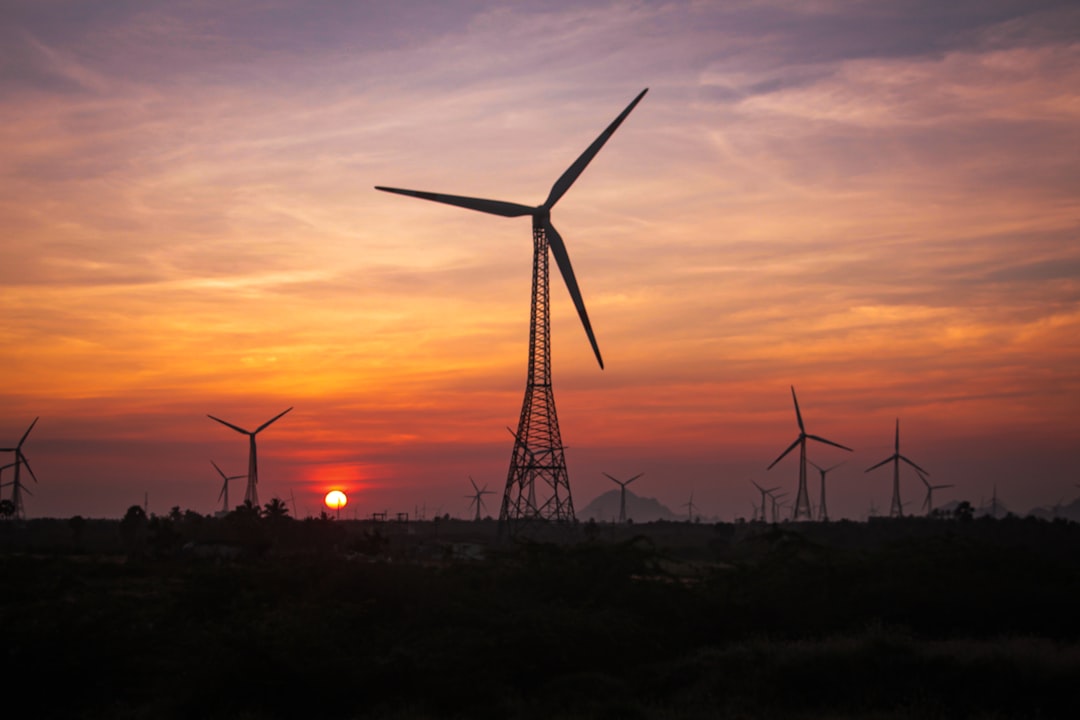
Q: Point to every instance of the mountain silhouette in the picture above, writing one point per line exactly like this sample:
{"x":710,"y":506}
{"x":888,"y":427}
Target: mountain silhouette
{"x":605,"y":508}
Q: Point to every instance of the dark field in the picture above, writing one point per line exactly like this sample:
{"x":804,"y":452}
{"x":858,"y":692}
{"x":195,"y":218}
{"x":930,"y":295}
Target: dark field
{"x":891,"y":619}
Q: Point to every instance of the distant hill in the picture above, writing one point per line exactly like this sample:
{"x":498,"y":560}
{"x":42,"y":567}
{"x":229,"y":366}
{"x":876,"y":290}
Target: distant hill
{"x":605,"y":508}
{"x":1069,"y":512}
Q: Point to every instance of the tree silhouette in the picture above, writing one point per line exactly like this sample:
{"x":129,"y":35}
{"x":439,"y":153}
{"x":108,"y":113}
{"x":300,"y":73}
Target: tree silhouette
{"x":276,"y":509}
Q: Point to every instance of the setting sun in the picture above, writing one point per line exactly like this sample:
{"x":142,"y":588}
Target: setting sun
{"x":335,"y":500}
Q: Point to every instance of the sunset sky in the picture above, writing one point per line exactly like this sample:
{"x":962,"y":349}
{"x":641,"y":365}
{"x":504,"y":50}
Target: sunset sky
{"x":875,"y":202}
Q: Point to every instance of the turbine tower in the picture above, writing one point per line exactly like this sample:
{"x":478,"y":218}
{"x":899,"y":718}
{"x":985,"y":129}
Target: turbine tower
{"x":478,"y":497}
{"x":928,"y":503}
{"x":622,"y":494}
{"x":225,"y":486}
{"x":823,"y":513}
{"x":896,"y":508}
{"x":537,"y":457}
{"x":764,"y":493}
{"x":802,"y":498}
{"x":251,"y":494}
{"x":16,"y":484}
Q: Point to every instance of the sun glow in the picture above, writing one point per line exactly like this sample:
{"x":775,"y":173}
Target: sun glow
{"x":335,"y":500}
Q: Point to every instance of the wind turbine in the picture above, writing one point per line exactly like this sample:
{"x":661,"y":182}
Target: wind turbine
{"x":538,"y":450}
{"x":622,"y":494}
{"x":16,"y":484}
{"x":823,"y":513}
{"x":690,"y":508}
{"x":251,"y":494}
{"x":802,"y":498}
{"x":764,"y":492}
{"x":225,"y":486}
{"x":478,"y":497}
{"x":928,"y":503}
{"x":776,"y":505}
{"x":896,"y":508}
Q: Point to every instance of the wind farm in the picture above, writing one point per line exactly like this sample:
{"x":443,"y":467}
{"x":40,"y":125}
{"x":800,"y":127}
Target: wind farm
{"x":871,"y":204}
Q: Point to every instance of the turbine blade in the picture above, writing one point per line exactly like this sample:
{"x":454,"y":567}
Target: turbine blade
{"x":634,"y":478}
{"x":28,"y":431}
{"x":29,"y":469}
{"x":829,"y":442}
{"x":814,"y":463}
{"x":830,"y":469}
{"x":222,"y":474}
{"x":875,"y":467}
{"x":228,"y":424}
{"x":270,"y":421}
{"x":223,"y":486}
{"x":924,"y":481}
{"x":942,"y":487}
{"x":609,"y":477}
{"x":567,"y":178}
{"x":757,"y":486}
{"x":562,"y":259}
{"x":798,"y":415}
{"x":897,"y":435}
{"x":912,"y":464}
{"x":473,"y":482}
{"x":491,"y":207}
{"x":790,"y":448}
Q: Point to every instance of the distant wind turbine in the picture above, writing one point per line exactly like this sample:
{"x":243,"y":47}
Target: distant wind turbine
{"x":764,"y":493}
{"x":802,"y":499}
{"x":896,"y":508}
{"x":823,"y":513}
{"x":928,"y":503}
{"x":690,"y":508}
{"x":225,"y":487}
{"x":622,"y":493}
{"x":17,"y":488}
{"x":251,"y":494}
{"x":478,"y":497}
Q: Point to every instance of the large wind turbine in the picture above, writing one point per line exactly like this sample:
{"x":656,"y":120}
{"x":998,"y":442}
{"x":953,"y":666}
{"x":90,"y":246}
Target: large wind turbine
{"x":823,"y":513}
{"x":16,"y":484}
{"x":896,"y":509}
{"x":225,"y":486}
{"x":251,"y":494}
{"x":538,"y":451}
{"x":622,"y":493}
{"x":802,"y":498}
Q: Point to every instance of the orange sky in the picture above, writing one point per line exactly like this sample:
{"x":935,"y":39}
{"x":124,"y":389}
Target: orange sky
{"x":875,"y":203}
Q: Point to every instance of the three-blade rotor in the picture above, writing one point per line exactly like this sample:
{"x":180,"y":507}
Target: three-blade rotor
{"x":803,"y":435}
{"x":541,"y":214}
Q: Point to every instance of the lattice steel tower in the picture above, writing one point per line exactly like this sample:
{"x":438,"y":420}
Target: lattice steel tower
{"x":537,"y":459}
{"x":537,"y":486}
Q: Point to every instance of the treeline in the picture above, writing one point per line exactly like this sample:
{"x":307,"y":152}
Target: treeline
{"x":950,"y":620}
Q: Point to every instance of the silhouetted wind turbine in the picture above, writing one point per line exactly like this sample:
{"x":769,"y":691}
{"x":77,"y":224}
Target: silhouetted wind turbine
{"x":17,"y":488}
{"x":764,"y":492}
{"x":690,"y":508}
{"x":538,"y":450}
{"x":225,"y":487}
{"x":251,"y":494}
{"x":478,"y":497}
{"x":896,"y":508}
{"x":802,"y":498}
{"x":776,"y":505}
{"x":622,"y":493}
{"x":928,"y":503}
{"x":823,"y":513}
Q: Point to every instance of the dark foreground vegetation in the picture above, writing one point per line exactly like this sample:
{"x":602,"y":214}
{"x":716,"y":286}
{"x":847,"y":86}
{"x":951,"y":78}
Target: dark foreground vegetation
{"x":283,"y":618}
